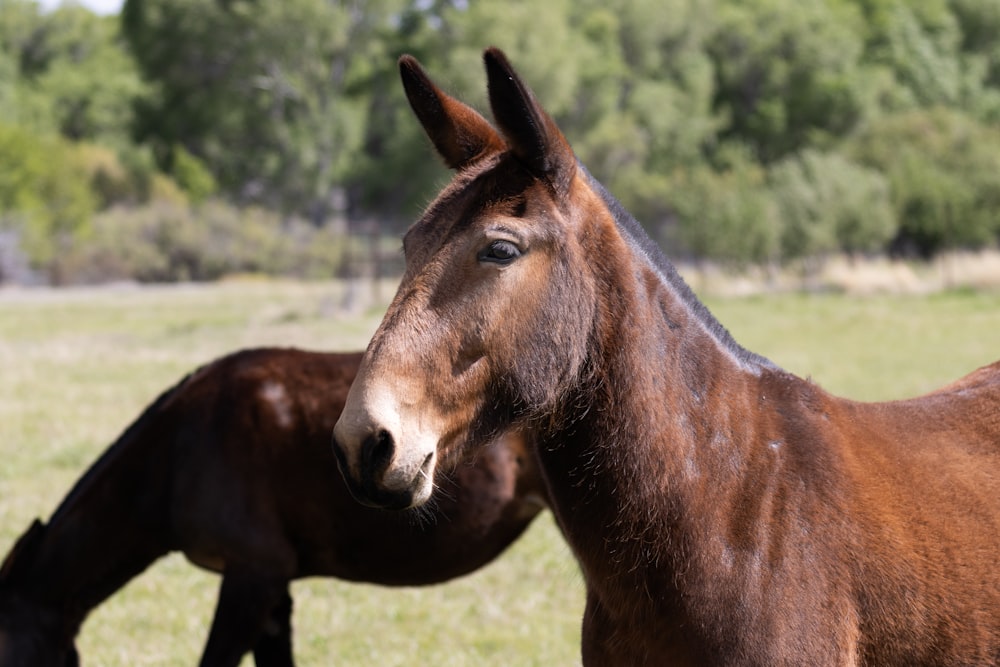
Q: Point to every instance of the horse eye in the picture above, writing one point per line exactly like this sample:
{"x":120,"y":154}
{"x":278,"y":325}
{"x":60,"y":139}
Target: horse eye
{"x":499,"y":252}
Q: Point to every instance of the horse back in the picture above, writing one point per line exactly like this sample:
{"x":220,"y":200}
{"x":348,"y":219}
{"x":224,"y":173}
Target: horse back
{"x":252,"y":460}
{"x":923,"y":490}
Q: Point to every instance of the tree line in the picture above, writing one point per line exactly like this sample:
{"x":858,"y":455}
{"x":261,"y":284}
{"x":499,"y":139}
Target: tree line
{"x":190,"y":138}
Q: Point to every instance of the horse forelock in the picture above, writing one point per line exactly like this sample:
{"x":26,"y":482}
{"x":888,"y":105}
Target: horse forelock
{"x":493,"y":180}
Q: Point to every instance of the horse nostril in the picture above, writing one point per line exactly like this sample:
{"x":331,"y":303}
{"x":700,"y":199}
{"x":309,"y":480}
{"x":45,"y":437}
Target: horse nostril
{"x":425,"y":468}
{"x":377,"y":451}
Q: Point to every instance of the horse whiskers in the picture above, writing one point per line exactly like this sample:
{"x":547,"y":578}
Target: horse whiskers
{"x":440,"y":490}
{"x":430,"y":513}
{"x":425,"y":515}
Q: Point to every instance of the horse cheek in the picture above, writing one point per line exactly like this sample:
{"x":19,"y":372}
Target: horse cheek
{"x":550,"y":361}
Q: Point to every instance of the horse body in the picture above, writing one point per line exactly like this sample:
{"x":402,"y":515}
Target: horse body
{"x":232,"y":467}
{"x":723,"y":510}
{"x":792,"y":528}
{"x":765,"y":518}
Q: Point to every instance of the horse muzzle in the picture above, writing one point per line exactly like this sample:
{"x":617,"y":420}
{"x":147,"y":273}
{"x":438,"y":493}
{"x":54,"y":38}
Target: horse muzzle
{"x":377,"y":476}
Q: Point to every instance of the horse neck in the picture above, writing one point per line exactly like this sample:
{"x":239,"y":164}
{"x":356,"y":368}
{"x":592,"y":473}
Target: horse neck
{"x":110,"y":526}
{"x":661,"y":417}
{"x":79,"y":567}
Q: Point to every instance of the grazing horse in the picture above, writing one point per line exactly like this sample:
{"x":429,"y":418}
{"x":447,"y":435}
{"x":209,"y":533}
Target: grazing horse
{"x":232,"y":466}
{"x":723,"y":510}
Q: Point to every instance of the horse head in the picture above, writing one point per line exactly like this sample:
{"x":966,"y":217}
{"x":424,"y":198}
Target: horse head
{"x":491,"y":324}
{"x":31,"y":635}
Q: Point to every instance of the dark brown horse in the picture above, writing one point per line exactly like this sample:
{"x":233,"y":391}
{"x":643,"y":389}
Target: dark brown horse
{"x":724,"y":511}
{"x":233,"y":467}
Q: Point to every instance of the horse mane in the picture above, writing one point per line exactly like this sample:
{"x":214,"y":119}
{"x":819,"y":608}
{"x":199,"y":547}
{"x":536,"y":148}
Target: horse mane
{"x":22,"y":553}
{"x":640,"y":240}
{"x":110,"y":455}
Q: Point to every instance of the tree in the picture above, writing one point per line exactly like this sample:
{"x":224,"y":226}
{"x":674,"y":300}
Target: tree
{"x":726,"y":214}
{"x":393,"y":173}
{"x":944,"y":171}
{"x":265,"y":94}
{"x":45,"y":197}
{"x":90,"y":80}
{"x":738,"y":129}
{"x":644,"y":100}
{"x":787,"y":73}
{"x":829,"y":204}
{"x":66,"y":71}
{"x":979,"y":26}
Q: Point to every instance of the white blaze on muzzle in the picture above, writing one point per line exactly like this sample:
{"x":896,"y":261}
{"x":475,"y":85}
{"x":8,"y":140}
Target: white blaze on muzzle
{"x":388,"y":437}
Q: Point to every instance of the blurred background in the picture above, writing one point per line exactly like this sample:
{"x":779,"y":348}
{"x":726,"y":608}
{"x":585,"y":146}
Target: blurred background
{"x":800,"y":150}
{"x":176,"y":140}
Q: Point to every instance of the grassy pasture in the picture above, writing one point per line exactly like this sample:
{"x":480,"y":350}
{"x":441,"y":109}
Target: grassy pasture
{"x":77,"y":366}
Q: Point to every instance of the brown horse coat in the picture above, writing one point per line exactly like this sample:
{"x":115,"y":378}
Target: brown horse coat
{"x":724,"y":511}
{"x":233,"y":467}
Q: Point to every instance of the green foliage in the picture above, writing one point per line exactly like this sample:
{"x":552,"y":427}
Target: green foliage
{"x":745,"y":130}
{"x":944,"y":171}
{"x":74,"y":75}
{"x":830,"y":204}
{"x":261,"y":92}
{"x":920,"y":46}
{"x":166,"y":241}
{"x":979,"y":25}
{"x":192,"y":175}
{"x":45,"y":196}
{"x":787,"y":72}
{"x":726,"y":214}
{"x":652,"y":111}
{"x":121,"y":178}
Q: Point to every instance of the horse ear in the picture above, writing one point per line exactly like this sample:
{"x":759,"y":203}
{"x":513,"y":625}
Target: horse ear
{"x":533,"y":136}
{"x":22,"y":553}
{"x":457,"y":130}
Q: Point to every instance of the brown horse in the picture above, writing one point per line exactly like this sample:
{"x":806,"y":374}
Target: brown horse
{"x":232,"y":467}
{"x":724,"y":511}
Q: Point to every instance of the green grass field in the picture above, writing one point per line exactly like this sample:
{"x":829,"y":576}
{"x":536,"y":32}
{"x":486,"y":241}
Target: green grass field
{"x":77,"y":366}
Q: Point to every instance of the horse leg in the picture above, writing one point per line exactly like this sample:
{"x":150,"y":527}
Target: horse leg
{"x":247,"y":603}
{"x":274,"y":648}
